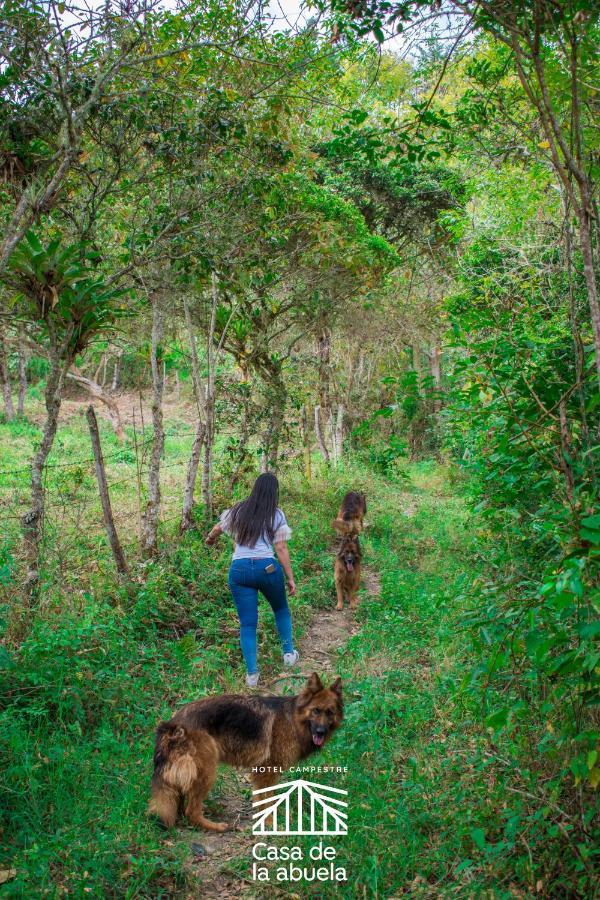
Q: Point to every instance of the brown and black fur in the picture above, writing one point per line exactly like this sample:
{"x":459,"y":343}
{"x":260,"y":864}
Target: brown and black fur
{"x":351,"y":517}
{"x":266,"y":731}
{"x":346,"y":571}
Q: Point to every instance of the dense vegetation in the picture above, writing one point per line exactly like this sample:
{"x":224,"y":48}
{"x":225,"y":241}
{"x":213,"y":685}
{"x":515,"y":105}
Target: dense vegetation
{"x":361,"y":263}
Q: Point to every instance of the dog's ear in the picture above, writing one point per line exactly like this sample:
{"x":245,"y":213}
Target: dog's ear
{"x":336,"y":687}
{"x":312,"y":687}
{"x":314,"y":684}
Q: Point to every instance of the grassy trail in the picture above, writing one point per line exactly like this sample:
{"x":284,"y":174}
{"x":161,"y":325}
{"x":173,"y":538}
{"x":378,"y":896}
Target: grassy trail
{"x":404,"y":741}
{"x":434,"y":808}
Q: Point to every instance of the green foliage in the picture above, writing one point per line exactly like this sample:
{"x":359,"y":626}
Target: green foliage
{"x":65,"y":290}
{"x":523,"y":431}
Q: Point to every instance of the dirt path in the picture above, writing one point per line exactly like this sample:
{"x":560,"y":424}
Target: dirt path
{"x":211,"y":856}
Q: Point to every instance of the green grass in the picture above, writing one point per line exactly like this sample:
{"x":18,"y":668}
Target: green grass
{"x":436,"y":807}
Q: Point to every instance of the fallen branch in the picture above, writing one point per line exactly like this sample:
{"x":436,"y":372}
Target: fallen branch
{"x":99,"y":393}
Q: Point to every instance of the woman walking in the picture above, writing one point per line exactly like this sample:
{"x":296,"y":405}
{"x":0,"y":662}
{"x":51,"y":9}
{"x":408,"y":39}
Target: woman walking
{"x":260,"y":530}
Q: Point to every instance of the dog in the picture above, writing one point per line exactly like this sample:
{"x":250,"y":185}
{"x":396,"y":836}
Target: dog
{"x":351,"y":517}
{"x":266,"y":731}
{"x":346,"y":570}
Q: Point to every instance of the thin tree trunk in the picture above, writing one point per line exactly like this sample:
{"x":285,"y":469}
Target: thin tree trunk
{"x":209,"y":406}
{"x":33,"y":519}
{"x":109,"y":522}
{"x":416,"y":362}
{"x":565,"y":449}
{"x":585,"y":240}
{"x":22,"y":377}
{"x":587,"y":457}
{"x":275,"y":427}
{"x":98,"y":371}
{"x":306,"y":444}
{"x":435,"y":365}
{"x":116,"y":372}
{"x":331,"y":437}
{"x":339,"y":432}
{"x":242,"y":444}
{"x":187,"y":519}
{"x":9,"y":410}
{"x":196,"y":380}
{"x":324,"y":355}
{"x":200,"y":437}
{"x":319,"y":434}
{"x":97,"y":391}
{"x":151,"y":513}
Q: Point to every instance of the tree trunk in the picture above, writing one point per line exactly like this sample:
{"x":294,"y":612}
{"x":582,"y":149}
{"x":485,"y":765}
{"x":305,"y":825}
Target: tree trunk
{"x":9,"y":410}
{"x":435,"y":365}
{"x":566,"y":453}
{"x":151,"y":513}
{"x":306,"y":443}
{"x":187,"y":519}
{"x":416,"y":362}
{"x":276,"y":399}
{"x":209,"y":406}
{"x":242,"y":444}
{"x":97,"y":374}
{"x":319,"y":434}
{"x":116,"y":372}
{"x":338,"y":438}
{"x":97,"y":391}
{"x":585,"y":240}
{"x":22,"y":377}
{"x":33,"y":519}
{"x":111,"y":531}
{"x":196,"y":380}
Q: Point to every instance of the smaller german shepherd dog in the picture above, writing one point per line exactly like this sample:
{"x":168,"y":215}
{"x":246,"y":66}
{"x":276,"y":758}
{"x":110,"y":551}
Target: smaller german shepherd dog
{"x":271,"y":732}
{"x":346,"y":571}
{"x":350,"y":519}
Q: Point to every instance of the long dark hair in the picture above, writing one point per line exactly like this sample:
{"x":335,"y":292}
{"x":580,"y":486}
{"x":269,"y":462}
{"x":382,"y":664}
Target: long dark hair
{"x":254,"y":517}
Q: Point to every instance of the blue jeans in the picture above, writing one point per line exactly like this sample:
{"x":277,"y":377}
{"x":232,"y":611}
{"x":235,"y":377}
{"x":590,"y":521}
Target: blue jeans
{"x":246,"y":578}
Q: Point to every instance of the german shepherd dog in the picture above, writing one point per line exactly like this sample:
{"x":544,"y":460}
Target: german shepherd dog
{"x":270,"y":732}
{"x":346,"y":571}
{"x":350,"y":519}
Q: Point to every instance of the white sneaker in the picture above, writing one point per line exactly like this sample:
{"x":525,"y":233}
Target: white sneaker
{"x":252,"y":680}
{"x":290,"y":659}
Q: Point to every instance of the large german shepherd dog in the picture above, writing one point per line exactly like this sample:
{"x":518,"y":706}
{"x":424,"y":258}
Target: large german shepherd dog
{"x":346,"y":571}
{"x":271,"y":732}
{"x":350,"y":518}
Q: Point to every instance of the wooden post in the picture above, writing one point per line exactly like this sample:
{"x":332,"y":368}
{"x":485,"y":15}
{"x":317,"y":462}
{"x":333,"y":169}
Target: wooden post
{"x":306,"y":443}
{"x":109,"y":523}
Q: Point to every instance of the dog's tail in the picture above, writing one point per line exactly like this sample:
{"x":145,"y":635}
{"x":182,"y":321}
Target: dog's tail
{"x":175,"y":770}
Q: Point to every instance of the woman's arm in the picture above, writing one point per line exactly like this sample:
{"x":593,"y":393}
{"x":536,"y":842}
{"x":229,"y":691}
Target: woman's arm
{"x":283,"y":555}
{"x":213,"y":535}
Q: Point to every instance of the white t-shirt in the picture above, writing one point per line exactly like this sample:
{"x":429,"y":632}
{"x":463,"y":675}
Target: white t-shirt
{"x":263,"y":549}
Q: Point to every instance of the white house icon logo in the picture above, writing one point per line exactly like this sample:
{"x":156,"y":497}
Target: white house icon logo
{"x":299,"y":807}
